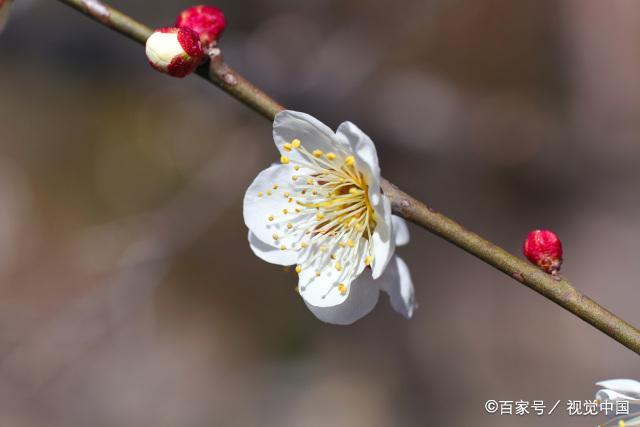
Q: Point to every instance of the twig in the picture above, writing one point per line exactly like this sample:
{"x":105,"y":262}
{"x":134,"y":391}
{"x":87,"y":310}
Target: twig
{"x":559,"y":291}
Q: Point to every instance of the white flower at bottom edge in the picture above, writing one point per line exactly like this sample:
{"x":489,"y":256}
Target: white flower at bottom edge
{"x":321,"y":209}
{"x":4,"y":13}
{"x":622,"y":390}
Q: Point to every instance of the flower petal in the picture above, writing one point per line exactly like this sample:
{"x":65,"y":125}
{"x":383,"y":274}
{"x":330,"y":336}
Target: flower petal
{"x":624,"y":386}
{"x":383,"y":241}
{"x":264,"y":208}
{"x":364,"y":150}
{"x":270,"y":253}
{"x":314,"y":135}
{"x":396,"y":281}
{"x":360,"y":301}
{"x":606,"y":394}
{"x":400,"y":230}
{"x":631,"y":422}
{"x":324,"y":290}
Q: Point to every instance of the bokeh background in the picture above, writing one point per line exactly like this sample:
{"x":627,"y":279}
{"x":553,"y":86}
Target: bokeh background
{"x":128,"y":293}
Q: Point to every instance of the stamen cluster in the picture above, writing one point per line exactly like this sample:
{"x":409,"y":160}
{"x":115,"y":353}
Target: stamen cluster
{"x":330,"y":211}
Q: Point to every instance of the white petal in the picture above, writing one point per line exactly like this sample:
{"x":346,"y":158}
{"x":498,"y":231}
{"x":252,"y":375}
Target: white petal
{"x":323,"y":291}
{"x":360,"y":301}
{"x":632,"y":422}
{"x":314,"y":135}
{"x":270,"y":253}
{"x":611,"y":395}
{"x":257,"y":209}
{"x":400,"y":230}
{"x":383,"y":241}
{"x":396,"y":281}
{"x":162,"y":48}
{"x":624,"y":386}
{"x":364,"y":150}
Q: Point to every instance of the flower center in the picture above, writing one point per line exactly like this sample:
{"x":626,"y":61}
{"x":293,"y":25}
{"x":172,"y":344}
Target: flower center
{"x":333,"y":219}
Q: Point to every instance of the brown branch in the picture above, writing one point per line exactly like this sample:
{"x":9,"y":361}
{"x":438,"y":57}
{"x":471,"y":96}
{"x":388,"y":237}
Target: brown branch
{"x":559,"y":291}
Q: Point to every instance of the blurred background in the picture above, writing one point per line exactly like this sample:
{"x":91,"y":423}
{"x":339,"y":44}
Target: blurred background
{"x":129,"y":295}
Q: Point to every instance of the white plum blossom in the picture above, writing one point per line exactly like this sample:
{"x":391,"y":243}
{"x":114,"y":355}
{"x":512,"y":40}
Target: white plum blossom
{"x":621,"y":390}
{"x":321,"y":210}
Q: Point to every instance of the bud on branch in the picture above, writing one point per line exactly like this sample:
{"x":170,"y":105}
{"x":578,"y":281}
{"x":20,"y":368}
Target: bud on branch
{"x":544,"y":249}
{"x":207,"y":21}
{"x":174,"y":51}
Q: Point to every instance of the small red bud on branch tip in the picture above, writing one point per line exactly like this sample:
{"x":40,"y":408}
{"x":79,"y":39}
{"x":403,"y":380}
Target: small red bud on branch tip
{"x":174,"y":51}
{"x":207,"y":21}
{"x":544,"y":249}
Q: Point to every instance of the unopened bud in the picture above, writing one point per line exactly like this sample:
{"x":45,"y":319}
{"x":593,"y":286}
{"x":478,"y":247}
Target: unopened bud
{"x":208,"y":21}
{"x":4,"y":13}
{"x":174,"y":51}
{"x":544,"y":248}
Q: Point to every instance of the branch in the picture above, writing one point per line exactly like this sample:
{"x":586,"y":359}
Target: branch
{"x":559,"y":291}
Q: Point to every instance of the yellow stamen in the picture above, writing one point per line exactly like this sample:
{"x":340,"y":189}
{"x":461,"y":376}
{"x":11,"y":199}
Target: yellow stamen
{"x":275,"y":236}
{"x":350,"y":243}
{"x":284,"y":211}
{"x":350,"y":161}
{"x":294,"y":178}
{"x":296,"y":168}
{"x":319,"y":216}
{"x":317,"y":274}
{"x":260,"y":194}
{"x":284,"y":160}
{"x":310,"y":181}
{"x":342,"y":289}
{"x":286,"y":194}
{"x":289,"y":226}
{"x":338,"y":266}
{"x":298,"y":269}
{"x":331,"y":156}
{"x":283,"y":248}
{"x":270,"y":218}
{"x":295,"y":143}
{"x":317,"y":153}
{"x":368,"y":260}
{"x":269,"y":193}
{"x":287,"y":147}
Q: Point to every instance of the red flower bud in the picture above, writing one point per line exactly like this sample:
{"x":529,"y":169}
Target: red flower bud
{"x":174,"y":51}
{"x":544,"y":249}
{"x":208,"y":21}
